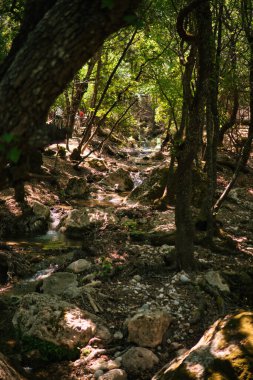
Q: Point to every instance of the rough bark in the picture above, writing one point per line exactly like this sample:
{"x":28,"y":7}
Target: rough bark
{"x":187,"y":151}
{"x":212,"y":118}
{"x":46,"y":58}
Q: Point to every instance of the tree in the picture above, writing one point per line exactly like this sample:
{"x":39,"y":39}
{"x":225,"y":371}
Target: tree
{"x":188,"y":148}
{"x":55,"y":39}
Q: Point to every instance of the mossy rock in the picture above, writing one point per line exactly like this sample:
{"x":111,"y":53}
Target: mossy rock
{"x":139,"y":236}
{"x":152,"y":188}
{"x":240,"y":283}
{"x":49,"y":351}
{"x":225,"y":352}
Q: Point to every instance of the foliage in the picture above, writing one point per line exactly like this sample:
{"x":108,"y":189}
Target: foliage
{"x":11,"y":15}
{"x":105,"y":267}
{"x":9,"y":148}
{"x":170,"y":72}
{"x":130,"y":224}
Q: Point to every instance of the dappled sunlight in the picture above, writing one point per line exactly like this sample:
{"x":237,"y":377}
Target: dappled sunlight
{"x":195,"y":368}
{"x":245,"y":328}
{"x":75,"y":321}
{"x":13,"y":207}
{"x":224,"y":351}
{"x":6,"y":289}
{"x":119,"y":256}
{"x":104,"y":199}
{"x":44,"y":273}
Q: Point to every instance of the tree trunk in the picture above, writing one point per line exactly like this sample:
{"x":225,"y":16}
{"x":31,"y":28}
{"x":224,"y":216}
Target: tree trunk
{"x":188,"y":149}
{"x":55,"y":47}
{"x":212,"y":118}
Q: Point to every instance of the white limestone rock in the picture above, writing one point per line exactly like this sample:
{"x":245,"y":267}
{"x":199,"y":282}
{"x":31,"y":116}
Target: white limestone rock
{"x":147,"y":327}
{"x":53,"y":320}
{"x":215,"y":280}
{"x":79,"y":266}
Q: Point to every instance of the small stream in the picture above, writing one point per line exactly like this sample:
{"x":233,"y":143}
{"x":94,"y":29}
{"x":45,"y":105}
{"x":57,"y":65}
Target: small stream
{"x":54,"y":242}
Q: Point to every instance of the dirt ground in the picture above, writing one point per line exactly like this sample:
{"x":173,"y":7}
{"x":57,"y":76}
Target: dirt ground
{"x":132,"y":274}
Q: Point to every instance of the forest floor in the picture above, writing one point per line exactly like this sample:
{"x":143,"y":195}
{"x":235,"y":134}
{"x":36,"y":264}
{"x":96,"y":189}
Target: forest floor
{"x":133,"y":274}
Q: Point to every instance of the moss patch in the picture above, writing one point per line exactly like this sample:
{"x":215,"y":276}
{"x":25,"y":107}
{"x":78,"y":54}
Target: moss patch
{"x":48,"y":350}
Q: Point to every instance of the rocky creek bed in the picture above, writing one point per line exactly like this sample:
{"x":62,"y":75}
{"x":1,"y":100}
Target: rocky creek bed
{"x":98,"y":297}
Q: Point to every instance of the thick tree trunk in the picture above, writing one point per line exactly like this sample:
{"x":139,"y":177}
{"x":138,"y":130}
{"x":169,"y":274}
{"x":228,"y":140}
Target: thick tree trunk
{"x":212,"y":119}
{"x":183,"y":217}
{"x":188,"y":150}
{"x":41,"y":65}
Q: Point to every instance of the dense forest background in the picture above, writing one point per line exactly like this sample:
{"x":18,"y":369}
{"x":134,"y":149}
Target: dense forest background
{"x":179,"y":71}
{"x":107,"y":80}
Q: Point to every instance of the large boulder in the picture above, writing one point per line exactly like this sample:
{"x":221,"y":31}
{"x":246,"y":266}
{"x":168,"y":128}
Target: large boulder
{"x":224,"y":352}
{"x":84,"y":220}
{"x":138,"y":360}
{"x":120,"y":180}
{"x":40,"y":210}
{"x":215,"y":279}
{"x":98,"y":164}
{"x":61,"y":284}
{"x":7,"y":372}
{"x":147,"y":328}
{"x":77,"y":188}
{"x":152,"y":188}
{"x":37,"y":220}
{"x":51,"y":325}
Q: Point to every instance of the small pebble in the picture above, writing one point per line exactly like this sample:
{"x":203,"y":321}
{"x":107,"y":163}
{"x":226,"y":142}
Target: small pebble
{"x":118,"y":335}
{"x":184,"y":279}
{"x":137,"y":277}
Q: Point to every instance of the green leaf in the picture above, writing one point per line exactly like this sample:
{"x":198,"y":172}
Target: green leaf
{"x":14,"y":154}
{"x":107,"y":4}
{"x":7,"y":137}
{"x":132,"y":19}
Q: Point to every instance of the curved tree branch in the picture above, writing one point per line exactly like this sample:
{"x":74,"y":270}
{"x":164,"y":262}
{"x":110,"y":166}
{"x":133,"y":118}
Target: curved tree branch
{"x":183,"y":13}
